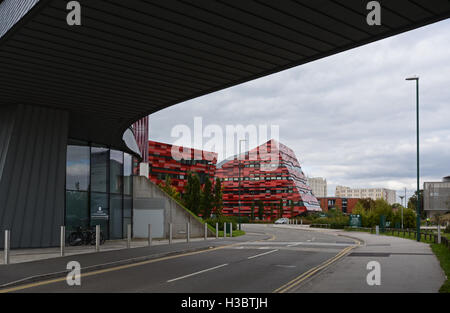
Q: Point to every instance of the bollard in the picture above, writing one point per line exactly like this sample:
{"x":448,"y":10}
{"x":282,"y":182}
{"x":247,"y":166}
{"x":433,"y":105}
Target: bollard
{"x":149,"y":234}
{"x":217,"y":230}
{"x":7,"y":246}
{"x":224,"y":230}
{"x":206,"y":231}
{"x":170,"y":233}
{"x":97,"y":238}
{"x":188,"y":233}
{"x":301,"y":221}
{"x":439,"y":234}
{"x":128,"y":236}
{"x":62,"y":240}
{"x":377,"y":230}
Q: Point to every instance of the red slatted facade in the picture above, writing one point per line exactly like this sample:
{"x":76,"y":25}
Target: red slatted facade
{"x":283,"y":180}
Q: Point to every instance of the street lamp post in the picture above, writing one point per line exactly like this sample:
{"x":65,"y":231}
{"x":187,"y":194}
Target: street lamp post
{"x":417,"y":135}
{"x":239,"y":185}
{"x":401,"y":200}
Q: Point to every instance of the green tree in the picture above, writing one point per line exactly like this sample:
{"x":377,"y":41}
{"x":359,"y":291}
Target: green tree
{"x":192,"y":194}
{"x":218,"y":198}
{"x":206,"y":199}
{"x":412,"y":203}
{"x":260,"y":210}
{"x":252,"y":211}
{"x":280,"y":209}
{"x":169,"y":189}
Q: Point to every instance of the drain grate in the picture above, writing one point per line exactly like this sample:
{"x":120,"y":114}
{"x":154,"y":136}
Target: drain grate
{"x":370,"y":254}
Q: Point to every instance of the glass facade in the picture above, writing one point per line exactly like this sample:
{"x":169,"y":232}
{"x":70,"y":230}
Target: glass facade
{"x":98,"y":189}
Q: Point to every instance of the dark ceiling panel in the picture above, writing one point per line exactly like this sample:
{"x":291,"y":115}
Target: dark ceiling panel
{"x":132,"y":58}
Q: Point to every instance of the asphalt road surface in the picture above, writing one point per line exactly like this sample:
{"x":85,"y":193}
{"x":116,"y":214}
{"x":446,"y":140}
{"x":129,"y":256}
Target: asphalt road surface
{"x":272,"y":259}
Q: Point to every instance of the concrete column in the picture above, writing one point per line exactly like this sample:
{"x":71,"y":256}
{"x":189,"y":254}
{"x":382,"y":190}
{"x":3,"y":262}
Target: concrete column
{"x":170,"y":233}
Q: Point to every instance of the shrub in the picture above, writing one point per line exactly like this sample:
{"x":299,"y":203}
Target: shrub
{"x":221,"y":220}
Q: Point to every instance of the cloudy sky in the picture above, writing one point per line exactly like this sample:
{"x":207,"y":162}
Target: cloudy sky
{"x":350,"y":117}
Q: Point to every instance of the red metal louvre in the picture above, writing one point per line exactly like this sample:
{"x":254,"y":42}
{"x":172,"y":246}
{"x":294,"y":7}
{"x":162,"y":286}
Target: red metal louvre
{"x":162,"y":163}
{"x":269,"y":173}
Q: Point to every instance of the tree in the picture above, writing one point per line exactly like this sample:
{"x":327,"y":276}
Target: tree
{"x":412,"y":203}
{"x":192,"y":194}
{"x":218,"y":197}
{"x":280,"y":209}
{"x":169,"y":189}
{"x":260,"y":210}
{"x":206,"y":199}
{"x":252,"y":211}
{"x":292,"y":210}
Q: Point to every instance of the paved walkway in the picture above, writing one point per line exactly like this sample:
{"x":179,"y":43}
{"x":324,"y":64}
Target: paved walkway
{"x":406,"y":266}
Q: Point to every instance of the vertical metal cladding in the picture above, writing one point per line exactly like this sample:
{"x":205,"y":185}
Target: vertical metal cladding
{"x":140,"y":129}
{"x":268,"y":179}
{"x":11,"y":11}
{"x":32,"y":174}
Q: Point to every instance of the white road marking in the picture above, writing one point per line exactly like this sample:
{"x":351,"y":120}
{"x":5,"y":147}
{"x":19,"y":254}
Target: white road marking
{"x":196,"y":273}
{"x":261,"y":254}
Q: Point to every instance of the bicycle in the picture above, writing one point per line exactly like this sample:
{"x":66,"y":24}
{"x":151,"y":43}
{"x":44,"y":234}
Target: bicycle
{"x":88,"y":236}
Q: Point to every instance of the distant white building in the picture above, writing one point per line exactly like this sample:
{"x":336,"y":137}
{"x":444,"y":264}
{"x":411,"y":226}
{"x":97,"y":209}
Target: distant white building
{"x":318,"y":186}
{"x":373,"y":193}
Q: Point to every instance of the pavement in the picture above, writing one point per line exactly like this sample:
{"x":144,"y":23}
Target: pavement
{"x":406,"y":266}
{"x":269,"y":258}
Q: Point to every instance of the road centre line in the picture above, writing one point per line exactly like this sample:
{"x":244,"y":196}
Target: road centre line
{"x":196,"y":273}
{"x":261,"y":254}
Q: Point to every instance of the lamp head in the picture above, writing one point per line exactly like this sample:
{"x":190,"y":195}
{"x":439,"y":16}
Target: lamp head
{"x":412,"y":78}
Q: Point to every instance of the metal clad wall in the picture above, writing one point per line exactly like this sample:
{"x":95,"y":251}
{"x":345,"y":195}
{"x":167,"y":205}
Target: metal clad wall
{"x":11,"y":11}
{"x":33,"y":176}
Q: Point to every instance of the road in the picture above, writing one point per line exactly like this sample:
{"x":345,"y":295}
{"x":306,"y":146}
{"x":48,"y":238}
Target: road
{"x":272,"y":259}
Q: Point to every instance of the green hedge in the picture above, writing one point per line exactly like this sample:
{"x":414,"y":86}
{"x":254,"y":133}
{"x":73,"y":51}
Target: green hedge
{"x":221,"y":220}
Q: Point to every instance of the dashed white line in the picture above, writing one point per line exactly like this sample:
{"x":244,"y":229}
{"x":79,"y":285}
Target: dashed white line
{"x":261,"y":254}
{"x":196,"y":273}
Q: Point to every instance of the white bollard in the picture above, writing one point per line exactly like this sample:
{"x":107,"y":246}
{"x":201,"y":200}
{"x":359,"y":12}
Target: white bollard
{"x":217,"y":230}
{"x":7,"y":246}
{"x":377,"y":229}
{"x":149,"y":234}
{"x":97,"y":238}
{"x":62,"y":240}
{"x":188,"y":233}
{"x":170,"y":233}
{"x":301,"y":221}
{"x":128,"y":236}
{"x":224,"y":230}
{"x":206,"y":231}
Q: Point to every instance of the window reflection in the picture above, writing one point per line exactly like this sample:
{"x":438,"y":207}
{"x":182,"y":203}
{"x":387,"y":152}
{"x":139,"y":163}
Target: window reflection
{"x":77,"y":172}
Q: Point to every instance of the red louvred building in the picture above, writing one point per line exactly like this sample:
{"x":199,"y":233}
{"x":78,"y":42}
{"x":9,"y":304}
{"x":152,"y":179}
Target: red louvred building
{"x":163,"y":161}
{"x":270,"y":173}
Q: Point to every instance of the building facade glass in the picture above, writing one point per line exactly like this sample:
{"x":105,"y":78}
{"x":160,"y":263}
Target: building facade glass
{"x":98,"y":189}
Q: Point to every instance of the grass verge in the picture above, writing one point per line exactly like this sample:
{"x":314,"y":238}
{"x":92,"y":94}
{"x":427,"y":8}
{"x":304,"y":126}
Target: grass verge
{"x":236,"y":233}
{"x":443,"y":255}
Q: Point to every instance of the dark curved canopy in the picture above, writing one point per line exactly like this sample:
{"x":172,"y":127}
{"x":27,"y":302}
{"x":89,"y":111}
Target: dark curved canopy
{"x":131,"y":58}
